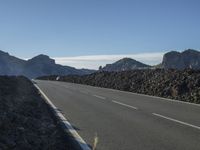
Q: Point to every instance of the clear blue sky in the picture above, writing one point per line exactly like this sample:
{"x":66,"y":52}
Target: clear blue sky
{"x":93,"y":27}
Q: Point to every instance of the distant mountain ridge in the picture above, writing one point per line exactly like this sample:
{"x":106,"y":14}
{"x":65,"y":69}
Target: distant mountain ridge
{"x":124,"y":65}
{"x":189,"y":58}
{"x":43,"y":65}
{"x":37,"y":66}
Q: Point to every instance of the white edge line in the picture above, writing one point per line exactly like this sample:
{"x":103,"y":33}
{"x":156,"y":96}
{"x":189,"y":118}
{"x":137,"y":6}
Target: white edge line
{"x":69,"y":127}
{"x":124,"y":104}
{"x":101,"y":97}
{"x":177,"y":121}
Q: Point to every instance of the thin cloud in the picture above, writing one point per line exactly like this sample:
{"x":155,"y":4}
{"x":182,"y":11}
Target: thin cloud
{"x":94,"y":61}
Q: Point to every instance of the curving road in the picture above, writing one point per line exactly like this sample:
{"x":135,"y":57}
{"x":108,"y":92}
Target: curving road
{"x":126,"y":121}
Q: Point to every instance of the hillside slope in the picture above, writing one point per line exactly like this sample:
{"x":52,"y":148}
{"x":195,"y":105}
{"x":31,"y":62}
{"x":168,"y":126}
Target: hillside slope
{"x":10,"y":65}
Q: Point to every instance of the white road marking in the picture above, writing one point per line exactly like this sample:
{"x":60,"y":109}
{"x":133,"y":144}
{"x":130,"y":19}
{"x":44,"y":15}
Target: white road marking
{"x":101,"y":97}
{"x":177,"y":121}
{"x":124,"y":104}
{"x":68,"y":126}
{"x":127,"y":92}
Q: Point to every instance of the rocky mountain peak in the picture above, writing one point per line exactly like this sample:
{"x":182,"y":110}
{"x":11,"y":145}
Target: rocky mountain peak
{"x":42,"y":59}
{"x":124,"y":64}
{"x":181,"y":60}
{"x":191,"y":52}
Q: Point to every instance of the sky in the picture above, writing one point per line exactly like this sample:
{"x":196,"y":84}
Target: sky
{"x":90,"y":33}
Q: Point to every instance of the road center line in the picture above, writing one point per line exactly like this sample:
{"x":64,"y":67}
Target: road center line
{"x":177,"y":121}
{"x":124,"y":104}
{"x":101,"y":97}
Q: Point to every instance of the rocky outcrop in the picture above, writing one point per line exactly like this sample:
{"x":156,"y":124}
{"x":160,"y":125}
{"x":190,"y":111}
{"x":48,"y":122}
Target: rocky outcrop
{"x":44,"y":65}
{"x":25,"y":120}
{"x":183,"y":85}
{"x":124,"y":65}
{"x":38,"y":66}
{"x":182,"y":60}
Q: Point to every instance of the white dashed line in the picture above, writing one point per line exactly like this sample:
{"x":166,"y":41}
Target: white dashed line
{"x":124,"y":105}
{"x":177,"y":121}
{"x":101,"y":97}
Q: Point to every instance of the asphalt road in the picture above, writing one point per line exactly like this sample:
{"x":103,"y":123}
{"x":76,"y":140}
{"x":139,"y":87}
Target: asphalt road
{"x":126,"y":121}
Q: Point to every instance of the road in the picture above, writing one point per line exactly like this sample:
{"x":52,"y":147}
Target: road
{"x":126,"y":121}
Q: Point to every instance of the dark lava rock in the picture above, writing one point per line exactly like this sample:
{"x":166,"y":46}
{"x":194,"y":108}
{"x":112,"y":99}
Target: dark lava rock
{"x":183,"y":85}
{"x":25,"y":120}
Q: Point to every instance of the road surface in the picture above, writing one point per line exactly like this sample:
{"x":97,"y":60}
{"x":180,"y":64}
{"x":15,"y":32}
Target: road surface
{"x":126,"y":121}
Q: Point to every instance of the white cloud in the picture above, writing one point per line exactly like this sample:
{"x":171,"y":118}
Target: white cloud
{"x":94,"y":61}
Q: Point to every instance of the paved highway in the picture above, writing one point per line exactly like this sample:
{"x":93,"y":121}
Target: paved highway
{"x":126,"y":121}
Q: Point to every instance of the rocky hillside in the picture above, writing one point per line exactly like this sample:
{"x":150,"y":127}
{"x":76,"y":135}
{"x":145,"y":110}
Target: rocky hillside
{"x":181,"y":60}
{"x":25,"y":121}
{"x":38,"y":66}
{"x":180,"y":85}
{"x":124,"y":65}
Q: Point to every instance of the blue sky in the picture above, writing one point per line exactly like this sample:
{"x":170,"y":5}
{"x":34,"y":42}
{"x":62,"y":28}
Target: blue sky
{"x":69,"y":28}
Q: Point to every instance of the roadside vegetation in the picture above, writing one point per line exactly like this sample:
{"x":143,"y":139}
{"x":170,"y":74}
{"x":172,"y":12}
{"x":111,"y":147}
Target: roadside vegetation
{"x":25,"y":120}
{"x":174,"y":84}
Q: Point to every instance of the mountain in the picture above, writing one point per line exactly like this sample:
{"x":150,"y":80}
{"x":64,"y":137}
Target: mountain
{"x":124,"y":64}
{"x":38,"y":66}
{"x":181,"y":60}
{"x":10,"y":65}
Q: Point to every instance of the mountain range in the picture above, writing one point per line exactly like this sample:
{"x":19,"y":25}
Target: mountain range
{"x":43,"y":65}
{"x":188,"y":59}
{"x":40,"y":65}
